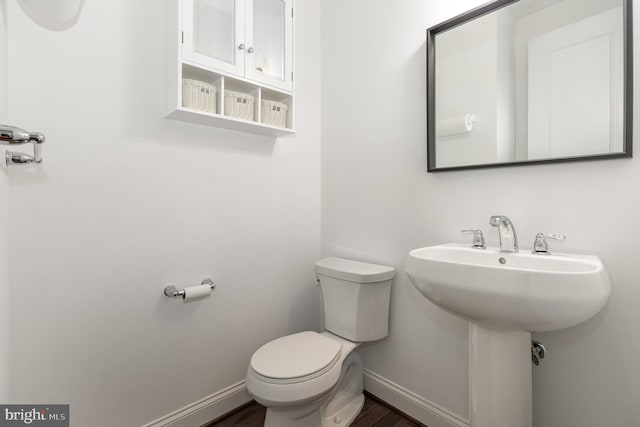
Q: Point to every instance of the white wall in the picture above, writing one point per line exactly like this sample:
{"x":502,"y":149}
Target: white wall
{"x":378,"y":202}
{"x":4,"y":222}
{"x":127,"y":202}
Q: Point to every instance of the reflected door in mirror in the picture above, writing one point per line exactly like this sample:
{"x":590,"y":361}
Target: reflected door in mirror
{"x":575,"y":89}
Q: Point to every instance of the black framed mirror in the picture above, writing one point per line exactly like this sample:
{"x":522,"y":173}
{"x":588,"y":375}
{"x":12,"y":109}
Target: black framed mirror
{"x":519,"y":82}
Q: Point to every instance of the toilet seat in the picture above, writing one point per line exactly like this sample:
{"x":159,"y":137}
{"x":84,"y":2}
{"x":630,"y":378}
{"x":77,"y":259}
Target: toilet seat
{"x":295,"y":358}
{"x":272,"y":392}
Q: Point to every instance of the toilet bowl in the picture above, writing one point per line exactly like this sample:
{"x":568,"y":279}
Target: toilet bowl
{"x":294,"y":394}
{"x":312,"y":379}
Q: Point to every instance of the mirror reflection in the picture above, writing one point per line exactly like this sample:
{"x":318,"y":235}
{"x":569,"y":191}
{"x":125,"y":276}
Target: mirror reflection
{"x":532,"y":81}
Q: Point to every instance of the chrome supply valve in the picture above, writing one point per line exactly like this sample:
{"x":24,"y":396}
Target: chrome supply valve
{"x":538,"y":352}
{"x":478,"y":238}
{"x":540,"y":245}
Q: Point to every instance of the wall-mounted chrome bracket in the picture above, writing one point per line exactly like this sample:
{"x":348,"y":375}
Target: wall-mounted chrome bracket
{"x":11,"y":135}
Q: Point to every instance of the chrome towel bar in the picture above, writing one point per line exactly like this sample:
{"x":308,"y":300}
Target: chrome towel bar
{"x":11,"y":135}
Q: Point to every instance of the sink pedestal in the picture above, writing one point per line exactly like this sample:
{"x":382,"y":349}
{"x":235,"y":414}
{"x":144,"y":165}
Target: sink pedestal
{"x":500,"y":389}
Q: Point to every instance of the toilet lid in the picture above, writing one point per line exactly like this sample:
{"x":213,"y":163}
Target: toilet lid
{"x":294,"y":356}
{"x":354,"y":271}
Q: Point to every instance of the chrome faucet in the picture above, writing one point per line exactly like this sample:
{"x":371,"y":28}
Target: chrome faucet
{"x":506,"y":232}
{"x":540,"y":245}
{"x":11,"y":135}
{"x":478,"y":238}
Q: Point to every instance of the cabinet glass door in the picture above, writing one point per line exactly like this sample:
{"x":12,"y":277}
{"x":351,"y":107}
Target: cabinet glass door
{"x":270,"y":60}
{"x":213,"y":29}
{"x":213,"y":34}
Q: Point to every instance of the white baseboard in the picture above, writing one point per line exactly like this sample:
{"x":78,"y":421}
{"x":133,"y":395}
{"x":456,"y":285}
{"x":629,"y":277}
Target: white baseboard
{"x":217,"y":404}
{"x":410,"y":403}
{"x":206,"y":409}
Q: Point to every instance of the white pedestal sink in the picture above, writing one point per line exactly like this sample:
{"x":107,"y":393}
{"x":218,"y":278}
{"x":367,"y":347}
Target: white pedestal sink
{"x":505,"y":297}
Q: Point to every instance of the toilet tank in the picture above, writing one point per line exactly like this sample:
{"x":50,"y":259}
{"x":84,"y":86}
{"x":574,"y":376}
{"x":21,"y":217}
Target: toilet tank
{"x":355,"y":296}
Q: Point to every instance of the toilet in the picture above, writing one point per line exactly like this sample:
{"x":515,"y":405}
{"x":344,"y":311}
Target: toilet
{"x":312,"y":379}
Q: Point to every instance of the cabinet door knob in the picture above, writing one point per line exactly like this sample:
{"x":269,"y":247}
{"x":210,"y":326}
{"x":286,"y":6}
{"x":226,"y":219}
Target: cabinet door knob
{"x":241,"y":46}
{"x":250,"y":50}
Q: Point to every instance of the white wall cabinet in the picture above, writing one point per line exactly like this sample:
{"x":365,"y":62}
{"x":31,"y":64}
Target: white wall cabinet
{"x":246,"y":38}
{"x":230,"y":64}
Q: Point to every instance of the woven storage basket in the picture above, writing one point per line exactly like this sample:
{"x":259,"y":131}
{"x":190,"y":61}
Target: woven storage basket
{"x":199,"y":95}
{"x":238,"y":104}
{"x":274,"y":113}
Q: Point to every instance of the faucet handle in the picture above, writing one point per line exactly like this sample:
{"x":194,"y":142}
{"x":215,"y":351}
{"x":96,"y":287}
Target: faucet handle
{"x":478,"y":238}
{"x":540,"y":245}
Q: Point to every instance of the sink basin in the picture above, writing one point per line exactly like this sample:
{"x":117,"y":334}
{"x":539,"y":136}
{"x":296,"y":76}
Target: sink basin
{"x":515,"y":291}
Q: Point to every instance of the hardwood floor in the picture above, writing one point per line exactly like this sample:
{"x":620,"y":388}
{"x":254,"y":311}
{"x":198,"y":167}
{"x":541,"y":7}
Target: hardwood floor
{"x":377,"y":413}
{"x":250,"y":415}
{"x":374,"y":413}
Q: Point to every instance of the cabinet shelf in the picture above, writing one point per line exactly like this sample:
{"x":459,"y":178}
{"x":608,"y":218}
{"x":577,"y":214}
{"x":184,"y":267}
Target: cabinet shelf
{"x":226,"y":122}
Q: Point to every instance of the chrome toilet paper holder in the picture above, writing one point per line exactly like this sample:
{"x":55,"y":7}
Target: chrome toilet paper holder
{"x":172,"y":292}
